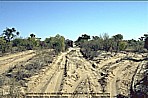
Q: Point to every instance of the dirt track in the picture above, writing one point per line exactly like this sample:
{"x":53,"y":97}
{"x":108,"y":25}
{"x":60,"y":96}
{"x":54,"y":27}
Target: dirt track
{"x":9,"y":61}
{"x":71,"y":73}
{"x":81,"y":76}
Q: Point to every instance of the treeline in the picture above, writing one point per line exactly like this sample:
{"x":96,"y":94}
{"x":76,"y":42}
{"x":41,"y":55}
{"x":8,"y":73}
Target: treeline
{"x":90,"y":45}
{"x":10,"y":42}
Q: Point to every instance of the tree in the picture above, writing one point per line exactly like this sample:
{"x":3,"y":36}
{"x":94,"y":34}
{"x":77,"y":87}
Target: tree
{"x":26,"y":44}
{"x":106,"y":42}
{"x":146,"y":41}
{"x":32,"y":35}
{"x":117,"y":38}
{"x":135,"y":45}
{"x":31,"y":43}
{"x":2,"y":45}
{"x":9,"y":34}
{"x":98,"y":42}
{"x":17,"y":42}
{"x":89,"y":49}
{"x":82,"y":39}
{"x":141,"y":38}
{"x":21,"y":44}
{"x":122,"y":45}
{"x":95,"y":37}
{"x":60,"y":42}
{"x":85,"y":37}
{"x":68,"y":43}
{"x":57,"y":43}
{"x":34,"y":43}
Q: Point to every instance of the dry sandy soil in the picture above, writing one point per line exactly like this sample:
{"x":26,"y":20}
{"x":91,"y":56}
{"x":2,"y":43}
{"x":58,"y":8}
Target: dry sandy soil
{"x":109,"y":74}
{"x":10,"y":60}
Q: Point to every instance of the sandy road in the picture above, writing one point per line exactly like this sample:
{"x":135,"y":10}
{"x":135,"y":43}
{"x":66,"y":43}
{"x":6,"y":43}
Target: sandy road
{"x":113,"y":80}
{"x":87,"y":81}
{"x":116,"y":75}
{"x":82,"y":77}
{"x":87,"y":72}
{"x":11,"y":56}
{"x":50,"y":80}
{"x":11,"y":60}
{"x":55,"y":82}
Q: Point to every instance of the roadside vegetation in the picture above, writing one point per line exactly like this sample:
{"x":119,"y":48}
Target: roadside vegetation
{"x":90,"y":47}
{"x":10,"y":42}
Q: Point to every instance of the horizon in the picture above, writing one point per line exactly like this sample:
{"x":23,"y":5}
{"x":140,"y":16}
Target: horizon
{"x":72,"y":19}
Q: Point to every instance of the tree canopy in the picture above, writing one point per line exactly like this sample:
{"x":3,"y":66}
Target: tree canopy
{"x":90,"y":45}
{"x":9,"y":34}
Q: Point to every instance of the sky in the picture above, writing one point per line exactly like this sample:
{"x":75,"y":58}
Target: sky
{"x":71,"y":19}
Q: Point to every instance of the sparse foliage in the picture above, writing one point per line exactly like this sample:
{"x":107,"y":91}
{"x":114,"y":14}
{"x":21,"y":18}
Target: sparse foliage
{"x":117,"y":38}
{"x":146,"y":41}
{"x":9,"y":34}
{"x":57,"y":43}
{"x":82,"y":39}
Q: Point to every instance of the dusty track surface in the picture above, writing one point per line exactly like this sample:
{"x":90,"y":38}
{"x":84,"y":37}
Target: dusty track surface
{"x":70,"y":73}
{"x":67,"y":74}
{"x":9,"y":61}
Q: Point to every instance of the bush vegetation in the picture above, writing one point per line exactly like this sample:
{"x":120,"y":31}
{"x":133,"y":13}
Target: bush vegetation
{"x":10,"y":42}
{"x":89,"y":46}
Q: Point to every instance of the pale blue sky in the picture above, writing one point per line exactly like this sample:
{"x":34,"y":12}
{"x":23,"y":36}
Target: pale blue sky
{"x":72,"y":19}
